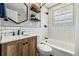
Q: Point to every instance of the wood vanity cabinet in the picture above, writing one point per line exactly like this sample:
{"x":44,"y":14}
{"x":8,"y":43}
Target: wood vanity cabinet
{"x":23,"y":47}
{"x":9,"y":49}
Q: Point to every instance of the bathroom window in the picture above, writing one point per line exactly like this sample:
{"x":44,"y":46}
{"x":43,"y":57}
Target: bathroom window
{"x":63,"y":15}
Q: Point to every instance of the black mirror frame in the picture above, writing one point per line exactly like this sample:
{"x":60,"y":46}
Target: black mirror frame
{"x":22,"y":21}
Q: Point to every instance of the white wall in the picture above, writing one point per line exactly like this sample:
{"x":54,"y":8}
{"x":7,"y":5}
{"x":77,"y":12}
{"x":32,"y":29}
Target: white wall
{"x":76,"y":29}
{"x":44,"y":19}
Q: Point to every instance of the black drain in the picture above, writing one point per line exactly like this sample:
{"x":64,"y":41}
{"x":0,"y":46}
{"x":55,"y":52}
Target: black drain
{"x":51,"y":55}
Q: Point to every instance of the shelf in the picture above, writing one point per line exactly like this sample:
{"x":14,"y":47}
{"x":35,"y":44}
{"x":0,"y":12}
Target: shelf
{"x":35,"y":20}
{"x":35,"y":8}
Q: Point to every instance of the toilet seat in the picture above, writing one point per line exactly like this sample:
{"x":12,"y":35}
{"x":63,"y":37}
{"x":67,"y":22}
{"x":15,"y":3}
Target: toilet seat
{"x":45,"y":47}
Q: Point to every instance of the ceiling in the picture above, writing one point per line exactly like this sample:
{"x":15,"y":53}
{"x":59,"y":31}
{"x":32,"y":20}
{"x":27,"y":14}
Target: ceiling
{"x":48,"y":5}
{"x":21,"y":7}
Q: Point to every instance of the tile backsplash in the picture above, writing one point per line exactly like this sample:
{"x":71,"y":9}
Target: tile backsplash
{"x":7,"y":31}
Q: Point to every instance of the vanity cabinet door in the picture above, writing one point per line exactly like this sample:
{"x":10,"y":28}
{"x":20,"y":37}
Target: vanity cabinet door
{"x":32,"y":46}
{"x":24,"y":47}
{"x":10,"y":48}
{"x":25,"y":50}
{"x":28,"y":46}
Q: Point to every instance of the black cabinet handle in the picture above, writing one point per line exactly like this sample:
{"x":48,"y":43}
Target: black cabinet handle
{"x":23,"y":43}
{"x":26,"y":42}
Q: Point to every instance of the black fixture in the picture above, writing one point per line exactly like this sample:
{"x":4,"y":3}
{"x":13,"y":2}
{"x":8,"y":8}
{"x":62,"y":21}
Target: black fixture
{"x":46,"y":41}
{"x":22,"y":32}
{"x":46,"y":13}
{"x":45,"y":26}
{"x":51,"y":55}
{"x":13,"y":33}
{"x":18,"y":33}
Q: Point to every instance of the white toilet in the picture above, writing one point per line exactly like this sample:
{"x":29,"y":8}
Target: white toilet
{"x":44,"y":50}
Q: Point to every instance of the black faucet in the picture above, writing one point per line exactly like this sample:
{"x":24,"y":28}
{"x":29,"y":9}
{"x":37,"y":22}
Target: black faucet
{"x":22,"y":33}
{"x":18,"y":32}
{"x":13,"y":33}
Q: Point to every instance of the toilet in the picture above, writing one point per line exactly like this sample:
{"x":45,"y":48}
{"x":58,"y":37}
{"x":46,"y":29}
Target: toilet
{"x":44,"y":50}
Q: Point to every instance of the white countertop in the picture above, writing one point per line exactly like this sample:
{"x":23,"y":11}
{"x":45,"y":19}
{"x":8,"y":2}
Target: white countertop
{"x":13,"y":38}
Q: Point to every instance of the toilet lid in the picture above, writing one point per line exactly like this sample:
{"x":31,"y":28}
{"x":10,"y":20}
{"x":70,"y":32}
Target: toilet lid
{"x":44,"y":47}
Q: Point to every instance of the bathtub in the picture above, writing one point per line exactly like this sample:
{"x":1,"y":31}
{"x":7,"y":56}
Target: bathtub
{"x":61,"y":48}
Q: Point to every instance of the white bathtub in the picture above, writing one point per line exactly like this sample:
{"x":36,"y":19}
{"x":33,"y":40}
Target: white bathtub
{"x":61,"y":48}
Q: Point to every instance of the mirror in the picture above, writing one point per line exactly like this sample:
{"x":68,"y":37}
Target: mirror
{"x":17,"y":12}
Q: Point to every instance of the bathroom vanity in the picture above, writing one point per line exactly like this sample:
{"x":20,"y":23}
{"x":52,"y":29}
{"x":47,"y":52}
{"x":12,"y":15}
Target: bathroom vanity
{"x":20,"y":46}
